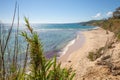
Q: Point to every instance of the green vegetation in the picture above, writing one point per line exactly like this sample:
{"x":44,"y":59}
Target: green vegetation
{"x":94,"y":55}
{"x":118,"y":35}
{"x":113,"y":25}
{"x":39,"y":67}
{"x":91,"y":56}
{"x":9,"y":68}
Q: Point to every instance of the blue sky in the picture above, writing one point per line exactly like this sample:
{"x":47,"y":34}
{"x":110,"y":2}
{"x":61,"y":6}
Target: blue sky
{"x":58,"y":11}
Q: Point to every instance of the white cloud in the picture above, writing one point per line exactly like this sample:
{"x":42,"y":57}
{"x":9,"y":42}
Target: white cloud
{"x":109,"y":13}
{"x":98,"y":15}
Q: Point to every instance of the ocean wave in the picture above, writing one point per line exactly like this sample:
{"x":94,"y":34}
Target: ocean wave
{"x":65,"y":49}
{"x":44,"y":30}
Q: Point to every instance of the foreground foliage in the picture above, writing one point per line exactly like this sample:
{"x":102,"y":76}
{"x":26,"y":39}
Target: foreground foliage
{"x":39,"y":67}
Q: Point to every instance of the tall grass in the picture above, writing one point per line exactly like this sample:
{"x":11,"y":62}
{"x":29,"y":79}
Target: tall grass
{"x":4,"y":41}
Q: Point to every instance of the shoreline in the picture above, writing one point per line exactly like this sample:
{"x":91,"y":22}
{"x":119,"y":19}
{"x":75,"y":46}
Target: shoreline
{"x":71,"y":46}
{"x":66,"y":49}
{"x":75,"y":44}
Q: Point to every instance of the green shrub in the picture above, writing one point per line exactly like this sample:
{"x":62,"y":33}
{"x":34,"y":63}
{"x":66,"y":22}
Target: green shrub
{"x":94,"y":55}
{"x":91,"y":56}
{"x":118,"y":35}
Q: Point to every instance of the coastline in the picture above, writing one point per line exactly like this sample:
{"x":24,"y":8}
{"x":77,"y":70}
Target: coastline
{"x":73,"y":45}
{"x":94,"y":39}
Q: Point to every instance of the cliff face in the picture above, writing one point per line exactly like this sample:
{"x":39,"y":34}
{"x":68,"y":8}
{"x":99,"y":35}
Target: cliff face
{"x":107,"y":67}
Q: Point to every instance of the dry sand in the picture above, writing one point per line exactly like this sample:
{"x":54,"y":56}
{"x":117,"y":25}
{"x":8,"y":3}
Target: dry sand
{"x":93,"y":39}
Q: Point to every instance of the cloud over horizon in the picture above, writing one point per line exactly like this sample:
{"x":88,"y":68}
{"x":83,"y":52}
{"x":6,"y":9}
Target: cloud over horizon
{"x":109,"y":14}
{"x":98,"y":15}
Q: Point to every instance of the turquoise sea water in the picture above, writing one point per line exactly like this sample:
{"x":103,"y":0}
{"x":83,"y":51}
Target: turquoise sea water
{"x":55,"y":37}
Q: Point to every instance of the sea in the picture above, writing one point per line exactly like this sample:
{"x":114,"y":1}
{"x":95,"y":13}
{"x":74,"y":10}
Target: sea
{"x":54,"y":37}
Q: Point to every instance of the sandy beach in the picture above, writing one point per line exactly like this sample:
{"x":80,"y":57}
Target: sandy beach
{"x":92,"y":40}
